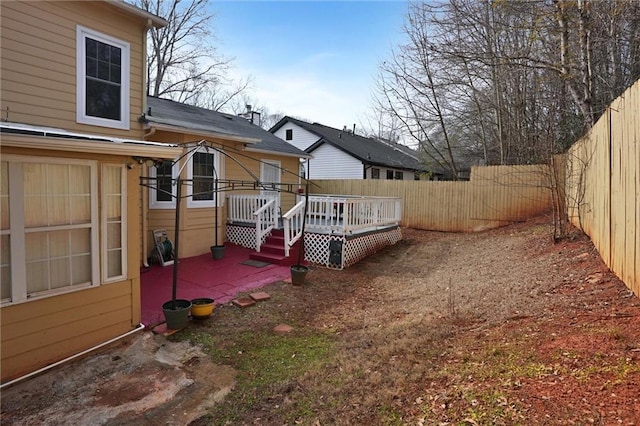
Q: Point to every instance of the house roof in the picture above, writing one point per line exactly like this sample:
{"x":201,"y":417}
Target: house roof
{"x":368,"y":150}
{"x":182,"y":117}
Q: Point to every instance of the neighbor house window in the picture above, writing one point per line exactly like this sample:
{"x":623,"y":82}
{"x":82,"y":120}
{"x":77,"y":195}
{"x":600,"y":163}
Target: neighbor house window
{"x":102,"y":68}
{"x":399,"y":175}
{"x":162,"y":191}
{"x":50,"y":226}
{"x":375,"y":173}
{"x":289,"y":134}
{"x":203,"y":170}
{"x":389,"y":174}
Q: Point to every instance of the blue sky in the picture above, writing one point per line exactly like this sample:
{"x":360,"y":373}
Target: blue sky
{"x":311,"y":59}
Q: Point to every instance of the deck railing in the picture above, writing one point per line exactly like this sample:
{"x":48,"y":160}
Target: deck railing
{"x":242,"y":207}
{"x":292,"y":226}
{"x":347,"y":215}
{"x":266,"y":220}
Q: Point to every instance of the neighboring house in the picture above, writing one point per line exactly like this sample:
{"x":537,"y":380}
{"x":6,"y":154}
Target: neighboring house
{"x":341,"y":154}
{"x":236,"y":156}
{"x":72,"y":93}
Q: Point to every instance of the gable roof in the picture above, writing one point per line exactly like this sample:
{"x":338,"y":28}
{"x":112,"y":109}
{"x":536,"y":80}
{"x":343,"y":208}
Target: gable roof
{"x":368,"y":150}
{"x":176,"y":116}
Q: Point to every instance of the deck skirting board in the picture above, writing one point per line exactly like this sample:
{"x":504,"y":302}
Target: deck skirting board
{"x":340,"y":251}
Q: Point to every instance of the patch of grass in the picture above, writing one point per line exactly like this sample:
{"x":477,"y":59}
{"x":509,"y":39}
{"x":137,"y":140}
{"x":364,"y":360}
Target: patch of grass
{"x":269,"y":366}
{"x":619,"y":370}
{"x":389,"y":416}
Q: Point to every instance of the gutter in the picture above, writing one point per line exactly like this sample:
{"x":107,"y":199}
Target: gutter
{"x":72,"y":357}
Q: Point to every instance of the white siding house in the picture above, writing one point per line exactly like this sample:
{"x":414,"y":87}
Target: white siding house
{"x":331,"y":163}
{"x":342,"y":154}
{"x":296,"y":136}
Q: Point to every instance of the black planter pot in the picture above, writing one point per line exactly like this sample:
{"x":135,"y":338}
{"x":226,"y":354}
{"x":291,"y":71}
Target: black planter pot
{"x":298,"y":274}
{"x":176,"y":312}
{"x":217,"y":252}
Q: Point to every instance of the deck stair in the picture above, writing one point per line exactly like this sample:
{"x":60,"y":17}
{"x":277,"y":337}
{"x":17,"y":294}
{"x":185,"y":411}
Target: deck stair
{"x":272,"y":251}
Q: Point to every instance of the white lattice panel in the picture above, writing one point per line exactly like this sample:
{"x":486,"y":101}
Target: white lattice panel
{"x":316,"y":248}
{"x":244,"y":236}
{"x":354,"y":249}
{"x":358,"y":248}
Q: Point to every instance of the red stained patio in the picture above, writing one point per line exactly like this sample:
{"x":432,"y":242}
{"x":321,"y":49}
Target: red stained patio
{"x":202,"y":276}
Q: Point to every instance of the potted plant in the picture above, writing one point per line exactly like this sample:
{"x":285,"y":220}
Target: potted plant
{"x":202,"y":308}
{"x":176,"y":313}
{"x":299,"y":271}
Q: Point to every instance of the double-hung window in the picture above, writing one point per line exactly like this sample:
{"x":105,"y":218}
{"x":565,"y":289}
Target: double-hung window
{"x":51,"y":230}
{"x":102,"y":68}
{"x":203,"y":171}
{"x":162,"y":191}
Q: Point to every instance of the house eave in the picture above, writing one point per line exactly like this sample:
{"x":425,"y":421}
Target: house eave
{"x":176,"y":128}
{"x":45,"y":138}
{"x":154,"y":20}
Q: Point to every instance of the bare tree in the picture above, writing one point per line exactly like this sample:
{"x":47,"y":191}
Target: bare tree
{"x":183,"y":63}
{"x":502,"y":82}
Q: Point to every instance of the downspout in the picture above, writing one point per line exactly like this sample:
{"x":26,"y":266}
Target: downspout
{"x":72,"y":357}
{"x":144,"y":205}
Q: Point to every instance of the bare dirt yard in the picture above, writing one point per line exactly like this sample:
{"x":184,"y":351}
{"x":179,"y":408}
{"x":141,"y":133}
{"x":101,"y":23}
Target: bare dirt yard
{"x":502,"y":327}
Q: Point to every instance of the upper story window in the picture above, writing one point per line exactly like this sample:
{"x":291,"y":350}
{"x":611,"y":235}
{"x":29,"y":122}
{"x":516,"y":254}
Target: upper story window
{"x":289,"y":134}
{"x":102,"y":68}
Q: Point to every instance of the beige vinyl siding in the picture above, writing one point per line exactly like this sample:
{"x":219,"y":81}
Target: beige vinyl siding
{"x":38,"y":61}
{"x":40,"y":331}
{"x":37,"y":333}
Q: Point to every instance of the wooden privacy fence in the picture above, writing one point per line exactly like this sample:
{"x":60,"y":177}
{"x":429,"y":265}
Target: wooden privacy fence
{"x":603,"y":186}
{"x":493,"y":196}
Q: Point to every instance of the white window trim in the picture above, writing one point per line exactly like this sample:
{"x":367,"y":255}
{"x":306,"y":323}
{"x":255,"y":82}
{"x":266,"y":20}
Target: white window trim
{"x":81,"y":34}
{"x":123,"y":228}
{"x":217,"y":201}
{"x":17,"y":229}
{"x":153,"y":192}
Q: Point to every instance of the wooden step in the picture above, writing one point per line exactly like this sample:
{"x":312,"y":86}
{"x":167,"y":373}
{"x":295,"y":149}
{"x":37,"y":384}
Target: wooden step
{"x":270,"y":258}
{"x":272,"y":248}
